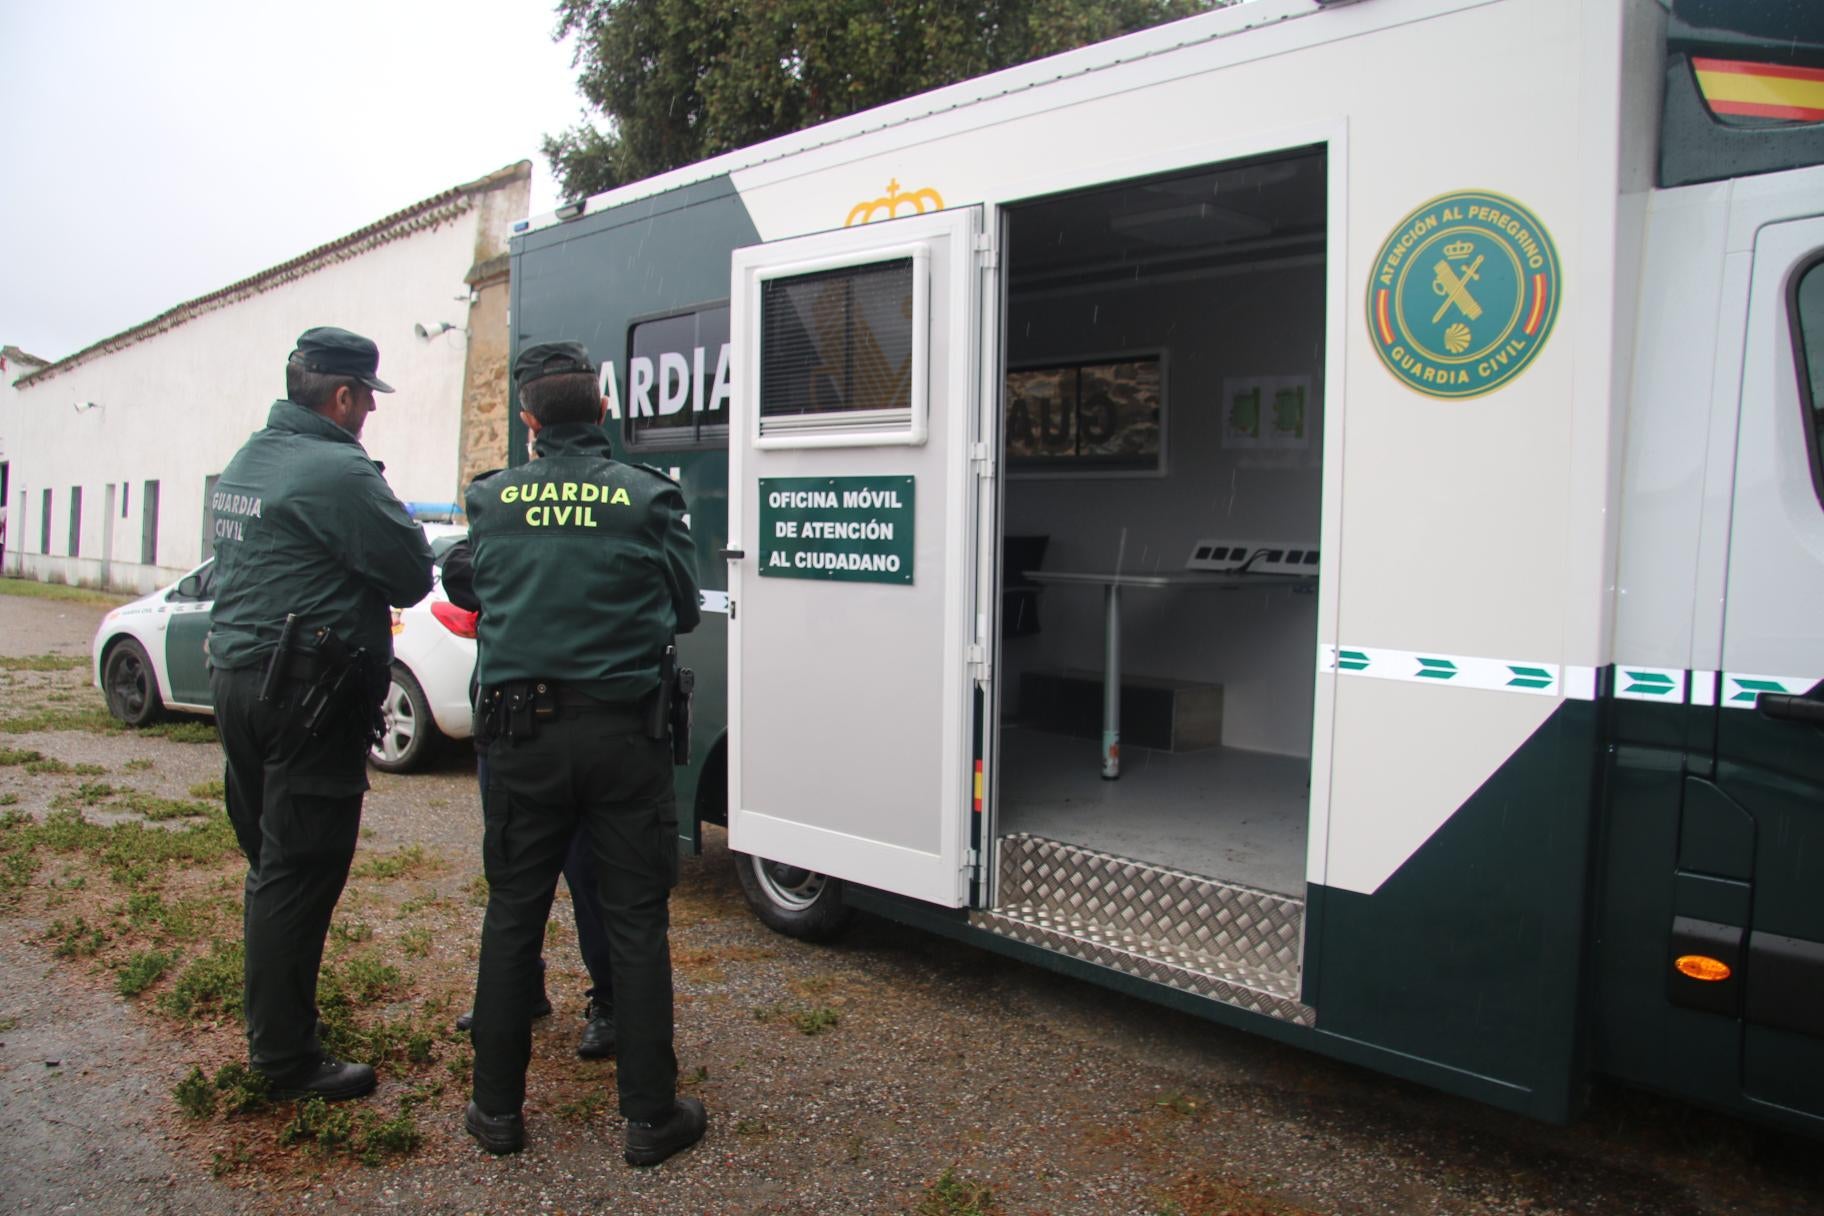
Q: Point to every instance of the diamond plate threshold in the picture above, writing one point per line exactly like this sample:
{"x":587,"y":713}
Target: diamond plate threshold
{"x":1229,"y":943}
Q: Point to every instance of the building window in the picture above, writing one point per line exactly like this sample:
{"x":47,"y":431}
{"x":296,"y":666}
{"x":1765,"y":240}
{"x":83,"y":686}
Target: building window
{"x":44,"y":526}
{"x":75,"y":521}
{"x":148,"y":525}
{"x":1808,"y":346}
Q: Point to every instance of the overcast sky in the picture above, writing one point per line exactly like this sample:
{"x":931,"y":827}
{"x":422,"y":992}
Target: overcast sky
{"x":157,"y":151}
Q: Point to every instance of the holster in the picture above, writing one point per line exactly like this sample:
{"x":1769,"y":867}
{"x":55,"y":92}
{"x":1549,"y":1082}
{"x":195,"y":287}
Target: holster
{"x":515,"y":708}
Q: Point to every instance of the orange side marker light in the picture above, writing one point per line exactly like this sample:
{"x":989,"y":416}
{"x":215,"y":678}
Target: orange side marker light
{"x":1703,"y":967}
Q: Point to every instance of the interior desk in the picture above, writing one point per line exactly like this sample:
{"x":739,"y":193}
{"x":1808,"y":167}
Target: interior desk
{"x":1111,"y":583}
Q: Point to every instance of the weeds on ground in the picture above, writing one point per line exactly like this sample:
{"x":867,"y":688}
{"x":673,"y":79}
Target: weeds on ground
{"x":1198,"y":1194}
{"x":50,"y":766}
{"x":77,"y":939}
{"x":416,"y":943}
{"x":210,"y":791}
{"x":806,"y":1021}
{"x":210,"y":986}
{"x":950,"y":1195}
{"x":410,"y":862}
{"x":138,"y":765}
{"x":583,"y":1109}
{"x":143,"y":970}
{"x":361,"y":1133}
{"x":43,"y":662}
{"x":32,"y":589}
{"x":96,"y":720}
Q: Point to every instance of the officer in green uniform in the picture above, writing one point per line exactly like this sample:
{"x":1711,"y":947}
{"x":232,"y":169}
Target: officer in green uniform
{"x":585,"y":571}
{"x":305,"y":527}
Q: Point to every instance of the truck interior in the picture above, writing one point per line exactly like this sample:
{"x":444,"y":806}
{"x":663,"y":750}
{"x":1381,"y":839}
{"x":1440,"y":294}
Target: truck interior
{"x":1162,"y":422}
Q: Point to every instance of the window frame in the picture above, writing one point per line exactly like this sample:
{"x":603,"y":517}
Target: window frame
{"x":851,"y":428}
{"x":1812,"y":410}
{"x":702,"y":436}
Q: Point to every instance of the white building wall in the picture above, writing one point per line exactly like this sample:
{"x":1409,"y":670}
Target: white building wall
{"x":175,"y":406}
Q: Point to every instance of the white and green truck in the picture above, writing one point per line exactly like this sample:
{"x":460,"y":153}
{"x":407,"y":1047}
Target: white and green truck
{"x":1311,"y":514}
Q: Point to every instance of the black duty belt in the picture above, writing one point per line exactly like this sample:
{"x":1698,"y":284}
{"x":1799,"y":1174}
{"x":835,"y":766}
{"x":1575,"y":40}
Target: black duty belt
{"x":554,"y":696}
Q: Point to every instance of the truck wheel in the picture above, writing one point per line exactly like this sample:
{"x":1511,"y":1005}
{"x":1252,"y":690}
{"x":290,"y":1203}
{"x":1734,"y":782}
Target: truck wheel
{"x":131,"y":686}
{"x":411,"y":735}
{"x":798,"y":903}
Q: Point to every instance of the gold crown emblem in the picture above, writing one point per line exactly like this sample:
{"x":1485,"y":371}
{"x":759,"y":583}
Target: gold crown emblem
{"x":894,"y":203}
{"x":1459,"y":249}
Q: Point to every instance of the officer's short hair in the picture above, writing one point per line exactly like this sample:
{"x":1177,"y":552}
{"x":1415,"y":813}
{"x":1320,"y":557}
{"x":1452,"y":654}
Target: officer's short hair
{"x":571,"y":397}
{"x":313,"y":390}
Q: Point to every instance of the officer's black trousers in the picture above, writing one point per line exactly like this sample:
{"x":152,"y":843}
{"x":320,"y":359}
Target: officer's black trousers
{"x":594,"y":768}
{"x":295,"y":803}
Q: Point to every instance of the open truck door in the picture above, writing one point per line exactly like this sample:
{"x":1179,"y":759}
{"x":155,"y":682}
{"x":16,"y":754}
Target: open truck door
{"x":855,"y":641}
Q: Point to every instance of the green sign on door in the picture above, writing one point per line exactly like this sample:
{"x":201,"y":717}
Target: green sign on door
{"x":849,"y":529}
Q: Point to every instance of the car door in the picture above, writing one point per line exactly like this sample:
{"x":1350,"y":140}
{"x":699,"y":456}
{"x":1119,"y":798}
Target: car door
{"x":186,"y":663}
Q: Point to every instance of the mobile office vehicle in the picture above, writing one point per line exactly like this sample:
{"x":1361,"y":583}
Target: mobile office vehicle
{"x":1310,"y":514}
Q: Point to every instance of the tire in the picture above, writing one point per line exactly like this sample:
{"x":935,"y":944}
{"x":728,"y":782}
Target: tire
{"x":411,"y":736}
{"x":130,"y":685}
{"x":798,"y":903}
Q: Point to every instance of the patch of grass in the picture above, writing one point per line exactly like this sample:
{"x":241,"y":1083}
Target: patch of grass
{"x":411,"y":861}
{"x":77,"y":939}
{"x":133,"y":852}
{"x":42,"y":662}
{"x":7,"y":1024}
{"x":416,"y":943}
{"x":142,"y":971}
{"x":1197,"y":1194}
{"x":751,"y":1127}
{"x":222,"y":1164}
{"x":806,"y":1021}
{"x":9,"y":800}
{"x":951,"y":1195}
{"x":18,"y":755}
{"x":158,"y":809}
{"x":212,"y":791}
{"x":363,"y":1134}
{"x":190,"y":730}
{"x":477,"y":891}
{"x":138,"y":765}
{"x":584,"y":1108}
{"x":243,"y":1090}
{"x":47,"y":766}
{"x":351,"y":931}
{"x":1177,"y":1104}
{"x":33,"y":589}
{"x":194,"y":1095}
{"x":92,"y":721}
{"x":209,"y":986}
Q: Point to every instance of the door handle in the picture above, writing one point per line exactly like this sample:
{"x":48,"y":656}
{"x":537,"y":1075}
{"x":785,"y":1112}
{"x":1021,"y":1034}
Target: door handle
{"x":1788,"y":708}
{"x":731,"y":555}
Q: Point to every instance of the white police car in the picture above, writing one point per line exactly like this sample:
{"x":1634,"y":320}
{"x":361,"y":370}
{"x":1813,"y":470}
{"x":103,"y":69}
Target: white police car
{"x":148,"y":659}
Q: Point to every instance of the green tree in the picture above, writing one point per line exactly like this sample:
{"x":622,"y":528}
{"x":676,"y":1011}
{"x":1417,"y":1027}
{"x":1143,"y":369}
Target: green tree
{"x":681,"y":80}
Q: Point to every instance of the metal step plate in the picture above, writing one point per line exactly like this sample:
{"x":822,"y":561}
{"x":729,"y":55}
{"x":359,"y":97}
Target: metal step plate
{"x":1230,"y":943}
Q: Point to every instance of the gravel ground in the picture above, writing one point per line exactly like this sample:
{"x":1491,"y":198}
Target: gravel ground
{"x":1058,"y":1096}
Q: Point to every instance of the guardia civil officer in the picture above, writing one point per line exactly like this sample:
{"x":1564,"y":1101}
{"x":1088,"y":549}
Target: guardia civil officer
{"x":585,"y":571}
{"x":311,"y":548}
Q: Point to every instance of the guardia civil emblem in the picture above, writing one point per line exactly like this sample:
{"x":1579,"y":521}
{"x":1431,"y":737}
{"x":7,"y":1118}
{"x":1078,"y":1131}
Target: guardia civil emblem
{"x":1463,"y":294}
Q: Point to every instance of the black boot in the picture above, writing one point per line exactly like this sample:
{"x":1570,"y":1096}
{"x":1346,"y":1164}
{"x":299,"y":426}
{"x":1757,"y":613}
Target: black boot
{"x":499,"y":1134}
{"x":651,"y":1143}
{"x":330,"y":1080}
{"x":597,"y":1042}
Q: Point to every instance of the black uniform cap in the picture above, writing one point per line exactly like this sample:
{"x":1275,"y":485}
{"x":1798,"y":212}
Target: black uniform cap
{"x":336,"y":352}
{"x":551,"y":359}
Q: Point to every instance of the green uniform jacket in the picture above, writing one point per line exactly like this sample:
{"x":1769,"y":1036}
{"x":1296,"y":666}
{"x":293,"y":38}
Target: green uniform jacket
{"x":305,"y":523}
{"x":584,"y":567}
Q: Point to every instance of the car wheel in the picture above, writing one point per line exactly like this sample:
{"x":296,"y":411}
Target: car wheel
{"x":410,"y":736}
{"x":130,"y":685}
{"x":796,"y":902}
